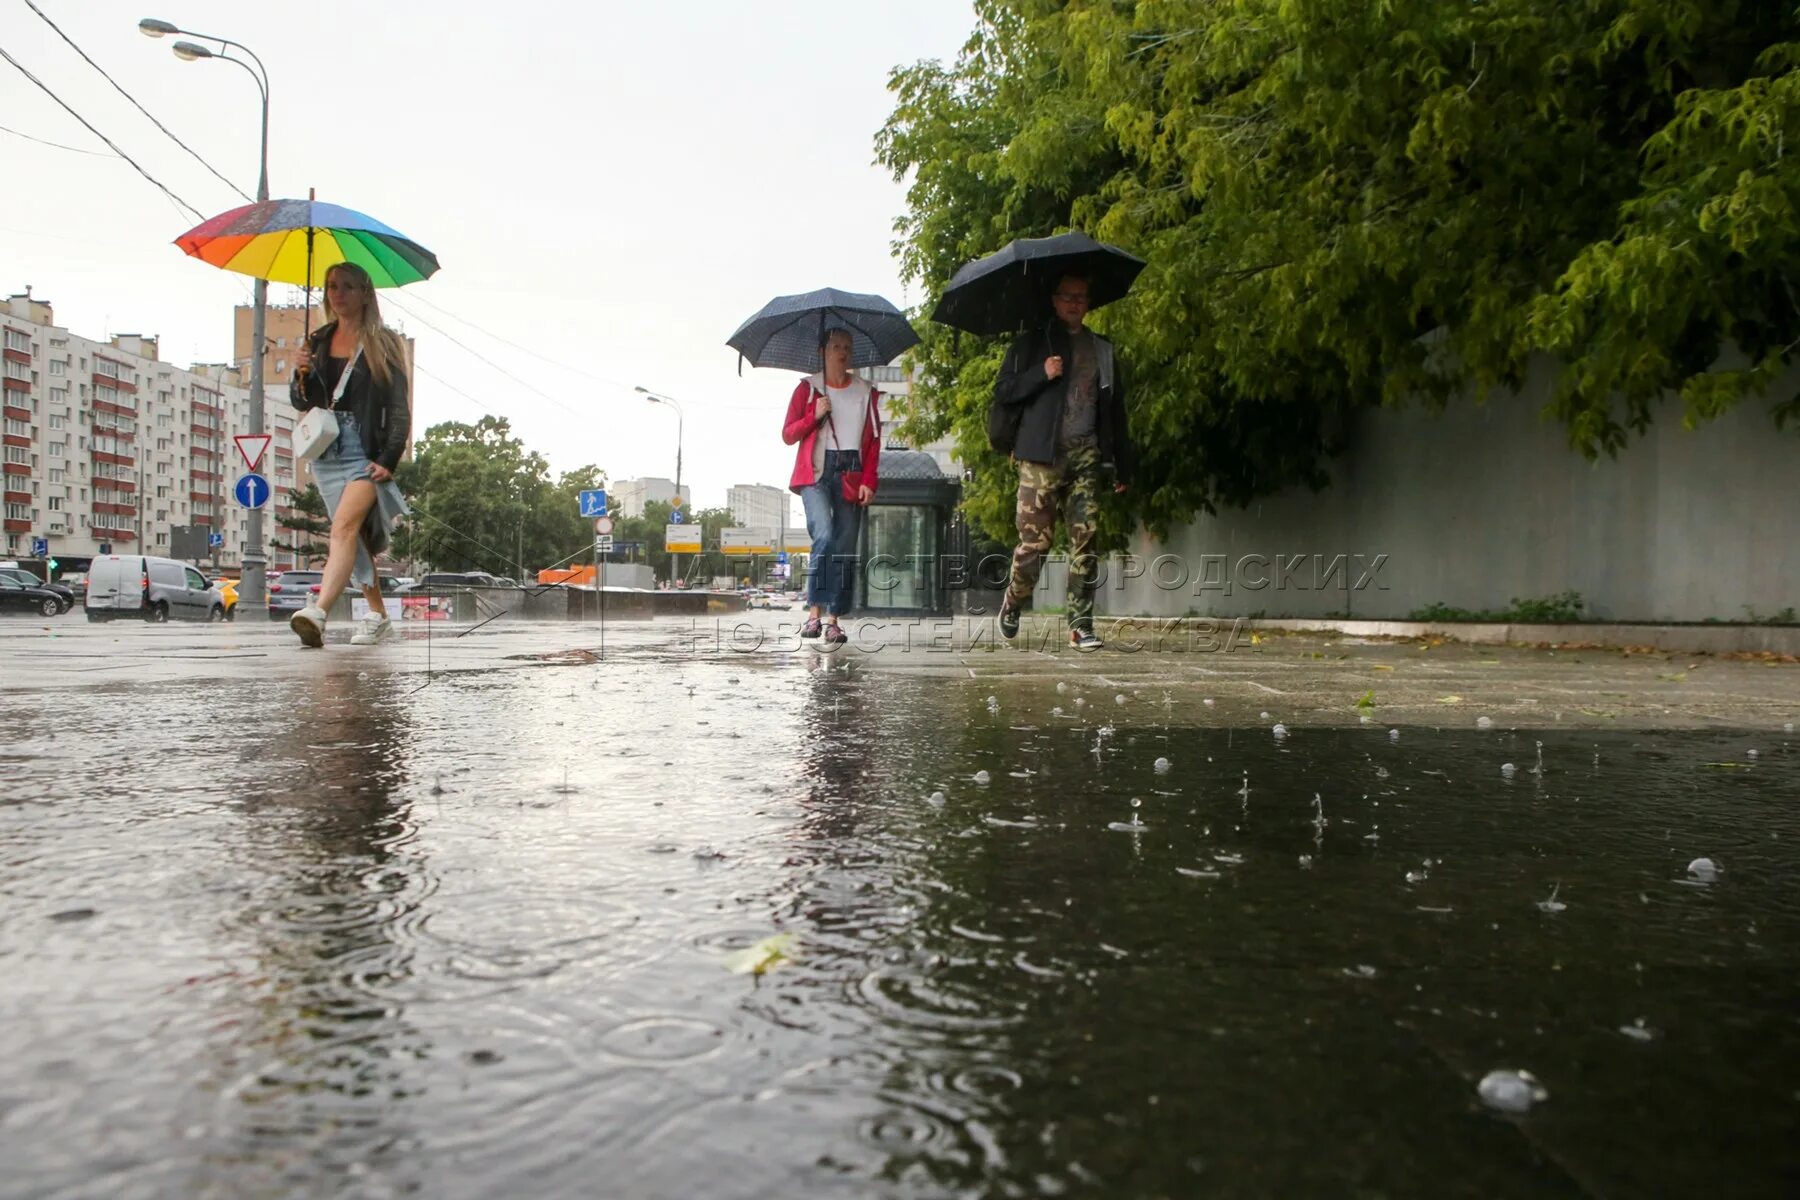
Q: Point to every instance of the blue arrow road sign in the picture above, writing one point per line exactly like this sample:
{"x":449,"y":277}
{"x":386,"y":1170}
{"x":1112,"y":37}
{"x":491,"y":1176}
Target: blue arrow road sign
{"x":675,"y":517}
{"x":40,"y":547}
{"x":252,"y":491}
{"x":593,"y":503}
{"x":215,"y":539}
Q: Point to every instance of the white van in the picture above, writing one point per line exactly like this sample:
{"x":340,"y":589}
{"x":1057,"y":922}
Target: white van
{"x":150,"y":588}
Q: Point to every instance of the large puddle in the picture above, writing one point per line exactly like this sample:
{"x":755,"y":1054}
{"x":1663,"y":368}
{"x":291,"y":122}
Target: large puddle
{"x":479,"y":939}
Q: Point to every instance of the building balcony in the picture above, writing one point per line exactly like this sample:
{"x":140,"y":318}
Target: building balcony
{"x":109,"y":381}
{"x":14,"y":412}
{"x":17,"y":385}
{"x":13,"y":468}
{"x":18,"y":356}
{"x":210,"y":476}
{"x":204,"y":519}
{"x":202,"y":497}
{"x":15,"y":439}
{"x":117,"y":460}
{"x":13,"y":497}
{"x":18,"y":526}
{"x":108,"y":431}
{"x":102,"y":508}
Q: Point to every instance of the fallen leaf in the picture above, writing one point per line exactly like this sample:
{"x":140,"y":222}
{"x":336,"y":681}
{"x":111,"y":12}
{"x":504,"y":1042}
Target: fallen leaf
{"x":1449,"y":699}
{"x":766,"y":955}
{"x":1383,"y":667}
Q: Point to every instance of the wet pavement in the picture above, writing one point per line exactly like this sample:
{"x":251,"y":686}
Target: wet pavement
{"x":481,"y":915}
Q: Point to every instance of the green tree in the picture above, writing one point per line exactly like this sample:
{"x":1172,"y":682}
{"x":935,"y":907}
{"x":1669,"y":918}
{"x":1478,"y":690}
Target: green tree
{"x":308,"y":530}
{"x":483,"y":501}
{"x":1347,"y":204}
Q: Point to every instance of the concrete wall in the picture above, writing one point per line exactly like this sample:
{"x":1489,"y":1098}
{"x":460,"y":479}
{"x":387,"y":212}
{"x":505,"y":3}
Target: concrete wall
{"x":1484,"y":503}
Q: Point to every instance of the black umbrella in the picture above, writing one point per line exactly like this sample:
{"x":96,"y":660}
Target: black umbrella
{"x":785,"y":333}
{"x":1010,"y":288}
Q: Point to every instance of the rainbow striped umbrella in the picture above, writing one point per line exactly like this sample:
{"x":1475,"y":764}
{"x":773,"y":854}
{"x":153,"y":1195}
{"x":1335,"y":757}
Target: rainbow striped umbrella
{"x":297,"y":241}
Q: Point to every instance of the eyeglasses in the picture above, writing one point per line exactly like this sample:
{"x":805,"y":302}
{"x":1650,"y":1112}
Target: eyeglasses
{"x":343,"y":285}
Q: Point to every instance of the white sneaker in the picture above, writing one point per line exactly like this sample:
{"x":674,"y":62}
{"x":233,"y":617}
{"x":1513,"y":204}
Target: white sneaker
{"x":372,"y":629}
{"x":309,"y":623}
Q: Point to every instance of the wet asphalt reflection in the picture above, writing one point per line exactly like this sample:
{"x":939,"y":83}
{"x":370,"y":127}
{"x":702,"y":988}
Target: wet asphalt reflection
{"x":1047,"y":935}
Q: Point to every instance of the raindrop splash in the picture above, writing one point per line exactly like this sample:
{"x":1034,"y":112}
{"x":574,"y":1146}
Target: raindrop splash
{"x":1511,"y":1091}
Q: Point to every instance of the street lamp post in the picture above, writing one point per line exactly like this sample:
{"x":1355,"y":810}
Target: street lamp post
{"x":253,"y":581}
{"x":680,"y":421}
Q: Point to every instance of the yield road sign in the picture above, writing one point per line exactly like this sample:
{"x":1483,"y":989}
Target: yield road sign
{"x":253,"y":446}
{"x":593,"y":502}
{"x":252,"y":491}
{"x":602,"y":525}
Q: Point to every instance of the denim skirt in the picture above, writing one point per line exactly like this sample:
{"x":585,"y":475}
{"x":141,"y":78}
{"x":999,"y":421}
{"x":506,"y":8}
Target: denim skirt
{"x":343,"y":463}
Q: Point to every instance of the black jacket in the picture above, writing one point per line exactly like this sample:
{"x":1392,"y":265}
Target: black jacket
{"x":1026,"y":418}
{"x":383,"y":412}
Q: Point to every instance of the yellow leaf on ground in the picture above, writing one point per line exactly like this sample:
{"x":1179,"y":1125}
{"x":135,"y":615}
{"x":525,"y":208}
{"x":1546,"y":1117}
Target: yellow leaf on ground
{"x":1449,"y":699}
{"x":764,"y":956}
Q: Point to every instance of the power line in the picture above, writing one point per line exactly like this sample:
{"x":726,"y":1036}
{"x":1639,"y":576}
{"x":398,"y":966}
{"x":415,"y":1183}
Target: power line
{"x":455,"y":341}
{"x":31,"y":4}
{"x":516,"y":346}
{"x":57,"y":145}
{"x":160,"y":186}
{"x":442,"y":382}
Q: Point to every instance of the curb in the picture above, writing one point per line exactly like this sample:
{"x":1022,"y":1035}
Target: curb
{"x":1780,"y":640}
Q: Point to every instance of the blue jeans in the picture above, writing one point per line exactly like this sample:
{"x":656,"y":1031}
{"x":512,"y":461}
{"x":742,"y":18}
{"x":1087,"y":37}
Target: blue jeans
{"x":835,"y":526}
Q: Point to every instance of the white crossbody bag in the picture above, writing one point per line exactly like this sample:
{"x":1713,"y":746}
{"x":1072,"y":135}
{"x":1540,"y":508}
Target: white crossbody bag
{"x":317,"y":428}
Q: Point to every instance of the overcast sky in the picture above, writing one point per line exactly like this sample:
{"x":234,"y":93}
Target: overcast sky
{"x":614,"y":186}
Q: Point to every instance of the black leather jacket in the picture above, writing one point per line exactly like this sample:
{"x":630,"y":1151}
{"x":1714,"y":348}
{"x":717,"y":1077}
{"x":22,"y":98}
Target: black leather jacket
{"x":1028,"y":406}
{"x":383,"y":411}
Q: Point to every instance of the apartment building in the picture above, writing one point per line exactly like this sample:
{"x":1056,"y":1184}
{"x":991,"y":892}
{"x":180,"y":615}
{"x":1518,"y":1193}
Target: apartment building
{"x":107,"y":447}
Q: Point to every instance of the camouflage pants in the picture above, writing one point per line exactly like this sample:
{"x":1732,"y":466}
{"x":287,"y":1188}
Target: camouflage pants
{"x":1067,"y":488}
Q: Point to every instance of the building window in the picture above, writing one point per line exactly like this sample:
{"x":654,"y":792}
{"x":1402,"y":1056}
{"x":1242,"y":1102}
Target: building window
{"x":56,"y":449}
{"x":56,"y":474}
{"x":59,"y":395}
{"x":17,"y":341}
{"x":56,"y":421}
{"x":18,"y":512}
{"x":17,"y":428}
{"x":55,"y":503}
{"x":58,"y":367}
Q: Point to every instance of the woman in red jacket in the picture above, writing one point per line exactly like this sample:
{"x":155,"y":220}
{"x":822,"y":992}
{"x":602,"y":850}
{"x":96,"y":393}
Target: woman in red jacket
{"x":835,"y":419}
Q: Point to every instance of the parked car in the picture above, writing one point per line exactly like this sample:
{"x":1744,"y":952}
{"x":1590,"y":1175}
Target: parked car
{"x":31,"y":598}
{"x":75,"y":581}
{"x":229,"y":589}
{"x":293,"y":592}
{"x":155,"y":589}
{"x":21,"y":575}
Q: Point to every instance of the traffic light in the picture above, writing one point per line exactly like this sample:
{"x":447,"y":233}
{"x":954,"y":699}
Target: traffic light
{"x":52,"y":566}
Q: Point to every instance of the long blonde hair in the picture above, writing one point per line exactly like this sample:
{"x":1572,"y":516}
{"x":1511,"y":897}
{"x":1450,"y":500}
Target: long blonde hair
{"x":380,"y":346}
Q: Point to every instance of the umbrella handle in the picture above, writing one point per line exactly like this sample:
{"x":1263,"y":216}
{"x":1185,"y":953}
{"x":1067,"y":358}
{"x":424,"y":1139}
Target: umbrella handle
{"x":306,"y":321}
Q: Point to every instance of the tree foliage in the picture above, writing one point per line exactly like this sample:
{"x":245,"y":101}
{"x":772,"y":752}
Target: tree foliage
{"x":1348,"y":203}
{"x":483,"y":502}
{"x":307,"y":528}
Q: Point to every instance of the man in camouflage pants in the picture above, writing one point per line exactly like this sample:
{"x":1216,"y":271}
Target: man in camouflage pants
{"x":1060,"y":413}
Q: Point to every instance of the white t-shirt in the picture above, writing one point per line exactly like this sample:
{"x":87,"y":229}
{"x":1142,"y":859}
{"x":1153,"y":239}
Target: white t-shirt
{"x":849,"y":414}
